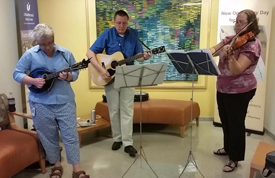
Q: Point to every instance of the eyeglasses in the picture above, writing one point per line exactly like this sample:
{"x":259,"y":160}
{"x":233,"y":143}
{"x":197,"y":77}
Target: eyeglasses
{"x":240,"y":22}
{"x":43,"y":45}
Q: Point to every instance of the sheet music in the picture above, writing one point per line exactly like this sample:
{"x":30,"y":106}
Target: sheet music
{"x":201,"y":59}
{"x":140,"y":75}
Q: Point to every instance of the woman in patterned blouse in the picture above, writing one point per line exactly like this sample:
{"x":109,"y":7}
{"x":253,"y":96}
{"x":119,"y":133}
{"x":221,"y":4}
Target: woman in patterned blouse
{"x":236,"y":86}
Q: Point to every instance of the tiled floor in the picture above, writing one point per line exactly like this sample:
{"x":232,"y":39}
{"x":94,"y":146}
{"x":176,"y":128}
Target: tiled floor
{"x":166,"y":153}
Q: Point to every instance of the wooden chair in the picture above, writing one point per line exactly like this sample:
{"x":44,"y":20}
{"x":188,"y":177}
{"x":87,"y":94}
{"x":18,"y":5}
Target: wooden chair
{"x":19,"y":147}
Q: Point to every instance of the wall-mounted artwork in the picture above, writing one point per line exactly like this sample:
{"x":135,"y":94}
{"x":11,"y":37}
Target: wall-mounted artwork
{"x":174,"y":24}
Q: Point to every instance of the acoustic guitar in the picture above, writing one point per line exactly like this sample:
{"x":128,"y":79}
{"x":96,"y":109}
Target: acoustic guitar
{"x":110,"y":62}
{"x":50,"y":77}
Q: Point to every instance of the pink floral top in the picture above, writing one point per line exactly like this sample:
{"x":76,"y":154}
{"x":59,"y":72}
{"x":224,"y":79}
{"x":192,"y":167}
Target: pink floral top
{"x":246,"y":81}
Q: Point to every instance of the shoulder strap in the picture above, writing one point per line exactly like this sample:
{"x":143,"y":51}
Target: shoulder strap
{"x":64,"y":57}
{"x":141,"y":41}
{"x":143,"y":44}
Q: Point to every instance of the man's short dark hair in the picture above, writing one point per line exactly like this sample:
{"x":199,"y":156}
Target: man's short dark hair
{"x":121,"y":13}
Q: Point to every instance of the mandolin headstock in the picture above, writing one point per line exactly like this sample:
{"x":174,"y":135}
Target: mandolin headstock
{"x":81,"y":65}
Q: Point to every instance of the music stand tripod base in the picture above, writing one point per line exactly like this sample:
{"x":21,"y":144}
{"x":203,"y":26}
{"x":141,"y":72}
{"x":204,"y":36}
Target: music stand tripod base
{"x":198,"y":62}
{"x":139,"y":76}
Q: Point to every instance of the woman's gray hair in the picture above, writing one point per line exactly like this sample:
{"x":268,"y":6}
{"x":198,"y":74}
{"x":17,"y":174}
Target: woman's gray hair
{"x":42,"y":31}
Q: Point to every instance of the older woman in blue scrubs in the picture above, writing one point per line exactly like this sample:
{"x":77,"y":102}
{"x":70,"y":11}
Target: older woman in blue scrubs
{"x":56,"y":109}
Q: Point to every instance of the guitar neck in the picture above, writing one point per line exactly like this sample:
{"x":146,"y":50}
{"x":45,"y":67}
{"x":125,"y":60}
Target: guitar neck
{"x":135,"y":57}
{"x":56,"y":74}
{"x":130,"y":59}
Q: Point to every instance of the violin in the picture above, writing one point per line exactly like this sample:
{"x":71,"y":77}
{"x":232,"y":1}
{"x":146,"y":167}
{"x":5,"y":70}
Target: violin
{"x":240,"y":41}
{"x":234,"y":38}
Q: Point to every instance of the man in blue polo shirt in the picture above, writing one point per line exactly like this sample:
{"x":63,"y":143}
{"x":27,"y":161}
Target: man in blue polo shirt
{"x":120,"y":101}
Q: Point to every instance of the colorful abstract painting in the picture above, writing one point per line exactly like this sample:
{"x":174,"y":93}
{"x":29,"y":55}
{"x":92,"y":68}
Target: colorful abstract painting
{"x":174,"y":24}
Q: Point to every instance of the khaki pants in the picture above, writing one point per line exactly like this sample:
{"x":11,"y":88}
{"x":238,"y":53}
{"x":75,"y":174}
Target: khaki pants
{"x":121,"y":105}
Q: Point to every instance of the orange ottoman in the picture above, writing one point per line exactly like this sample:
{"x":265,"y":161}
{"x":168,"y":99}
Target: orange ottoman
{"x":159,"y":111}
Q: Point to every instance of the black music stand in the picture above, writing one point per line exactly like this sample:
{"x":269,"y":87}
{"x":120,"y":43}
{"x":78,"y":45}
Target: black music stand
{"x":139,"y":76}
{"x":198,"y":62}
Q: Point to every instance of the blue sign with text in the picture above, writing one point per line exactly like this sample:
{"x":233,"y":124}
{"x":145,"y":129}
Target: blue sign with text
{"x":27,"y":14}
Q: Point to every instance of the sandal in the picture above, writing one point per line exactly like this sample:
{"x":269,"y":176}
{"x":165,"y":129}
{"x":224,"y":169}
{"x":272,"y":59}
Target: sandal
{"x":220,"y":152}
{"x":57,"y":171}
{"x":79,"y":173}
{"x":231,"y":165}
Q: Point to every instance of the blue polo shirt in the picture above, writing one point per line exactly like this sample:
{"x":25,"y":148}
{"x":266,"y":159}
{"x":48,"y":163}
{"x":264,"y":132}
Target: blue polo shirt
{"x":112,"y":42}
{"x":35,"y":58}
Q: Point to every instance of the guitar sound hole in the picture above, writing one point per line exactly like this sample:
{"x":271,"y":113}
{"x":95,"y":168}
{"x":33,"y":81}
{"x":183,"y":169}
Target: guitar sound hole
{"x":114,"y":64}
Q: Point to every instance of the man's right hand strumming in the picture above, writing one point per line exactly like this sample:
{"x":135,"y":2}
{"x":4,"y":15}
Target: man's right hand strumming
{"x":105,"y":74}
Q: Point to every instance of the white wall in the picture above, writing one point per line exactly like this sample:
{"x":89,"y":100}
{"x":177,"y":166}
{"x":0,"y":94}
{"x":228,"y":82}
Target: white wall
{"x":270,"y":91}
{"x":9,"y":53}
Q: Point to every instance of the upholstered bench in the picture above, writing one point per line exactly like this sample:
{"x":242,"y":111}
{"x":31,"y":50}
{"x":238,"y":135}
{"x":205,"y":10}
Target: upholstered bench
{"x":159,"y":111}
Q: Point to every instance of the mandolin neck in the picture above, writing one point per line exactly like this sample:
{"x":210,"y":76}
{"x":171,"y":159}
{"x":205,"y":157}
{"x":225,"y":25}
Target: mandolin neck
{"x":56,"y":74}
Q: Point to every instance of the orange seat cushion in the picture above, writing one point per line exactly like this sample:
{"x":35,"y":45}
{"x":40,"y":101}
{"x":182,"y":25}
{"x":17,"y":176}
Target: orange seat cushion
{"x":17,"y":150}
{"x":160,"y":111}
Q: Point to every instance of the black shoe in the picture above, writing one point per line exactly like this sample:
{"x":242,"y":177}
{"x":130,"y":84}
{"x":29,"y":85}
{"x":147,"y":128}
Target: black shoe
{"x":116,"y":145}
{"x":130,"y":150}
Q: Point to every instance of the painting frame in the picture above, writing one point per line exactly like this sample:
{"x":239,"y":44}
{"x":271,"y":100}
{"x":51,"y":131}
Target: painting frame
{"x":204,"y":38}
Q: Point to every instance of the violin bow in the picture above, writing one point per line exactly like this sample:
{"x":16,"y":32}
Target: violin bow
{"x":233,"y":39}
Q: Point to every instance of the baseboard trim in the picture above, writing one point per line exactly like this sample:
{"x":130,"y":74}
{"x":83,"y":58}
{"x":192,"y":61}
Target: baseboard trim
{"x":270,"y":134}
{"x":206,"y":118}
{"x":247,"y":130}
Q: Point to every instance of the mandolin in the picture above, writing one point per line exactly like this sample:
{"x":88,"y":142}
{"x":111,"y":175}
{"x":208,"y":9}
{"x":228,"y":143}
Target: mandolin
{"x":50,"y":77}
